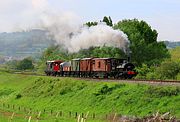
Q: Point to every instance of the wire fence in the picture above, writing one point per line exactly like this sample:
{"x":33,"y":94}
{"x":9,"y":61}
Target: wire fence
{"x":15,"y":112}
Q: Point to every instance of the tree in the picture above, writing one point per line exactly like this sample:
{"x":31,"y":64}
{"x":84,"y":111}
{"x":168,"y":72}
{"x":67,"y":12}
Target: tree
{"x":99,"y":52}
{"x":108,"y":21}
{"x":26,"y":63}
{"x":89,"y":24}
{"x":105,"y":52}
{"x":143,"y":42}
{"x":55,"y":52}
{"x":175,"y":54}
{"x":169,"y":69}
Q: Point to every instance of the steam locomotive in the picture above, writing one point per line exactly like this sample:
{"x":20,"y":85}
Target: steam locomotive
{"x":92,"y":68}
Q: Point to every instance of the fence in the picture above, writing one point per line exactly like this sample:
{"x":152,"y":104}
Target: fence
{"x":14,"y":111}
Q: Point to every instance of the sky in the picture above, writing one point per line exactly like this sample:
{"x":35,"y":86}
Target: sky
{"x":161,"y":15}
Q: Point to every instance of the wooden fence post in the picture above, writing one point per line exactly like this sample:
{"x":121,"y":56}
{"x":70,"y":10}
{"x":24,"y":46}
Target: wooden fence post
{"x":82,"y":119}
{"x":24,"y":109}
{"x":29,"y":111}
{"x":114,"y":117}
{"x":38,"y":117}
{"x":51,"y":112}
{"x":82,"y":115}
{"x":79,"y":117}
{"x":29,"y":120}
{"x":12,"y":116}
{"x":57,"y":114}
{"x":94,"y":115}
{"x":76,"y":114}
{"x":61,"y":114}
{"x":70,"y":114}
{"x":86,"y":115}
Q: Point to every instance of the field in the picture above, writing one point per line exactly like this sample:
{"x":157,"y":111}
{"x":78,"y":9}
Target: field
{"x":64,"y":99}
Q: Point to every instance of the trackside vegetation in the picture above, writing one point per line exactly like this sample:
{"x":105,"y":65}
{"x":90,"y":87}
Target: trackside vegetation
{"x":82,"y":96}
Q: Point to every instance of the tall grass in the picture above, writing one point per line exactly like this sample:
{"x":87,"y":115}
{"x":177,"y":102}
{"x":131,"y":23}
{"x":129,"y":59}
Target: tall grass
{"x":69,"y":94}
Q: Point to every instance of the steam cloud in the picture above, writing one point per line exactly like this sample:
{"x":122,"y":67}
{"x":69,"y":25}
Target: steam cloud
{"x":99,"y":35}
{"x":68,"y":31}
{"x":65,"y":27}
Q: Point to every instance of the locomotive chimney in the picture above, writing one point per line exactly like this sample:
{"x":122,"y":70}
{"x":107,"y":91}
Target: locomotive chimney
{"x":129,"y":52}
{"x":129,"y":56}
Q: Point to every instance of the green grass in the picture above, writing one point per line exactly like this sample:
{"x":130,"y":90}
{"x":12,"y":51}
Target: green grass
{"x":68,"y":94}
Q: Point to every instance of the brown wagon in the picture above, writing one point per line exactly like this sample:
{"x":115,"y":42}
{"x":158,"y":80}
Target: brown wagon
{"x":101,"y":64}
{"x":102,"y":67}
{"x":86,"y":67}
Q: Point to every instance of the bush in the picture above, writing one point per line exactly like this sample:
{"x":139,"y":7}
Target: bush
{"x":105,"y":89}
{"x":65,"y":90}
{"x":162,"y":92}
{"x":152,"y":76}
{"x":18,"y":96}
{"x":145,"y":72}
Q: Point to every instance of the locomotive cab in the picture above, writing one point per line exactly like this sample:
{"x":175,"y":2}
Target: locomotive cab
{"x":125,"y":69}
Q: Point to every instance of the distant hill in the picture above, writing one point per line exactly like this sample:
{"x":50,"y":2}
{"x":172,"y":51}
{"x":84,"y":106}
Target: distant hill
{"x":170,"y":44}
{"x":23,"y":44}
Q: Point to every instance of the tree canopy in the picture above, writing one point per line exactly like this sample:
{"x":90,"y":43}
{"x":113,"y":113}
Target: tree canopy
{"x":143,"y":42}
{"x":89,"y":24}
{"x":26,"y":63}
{"x":106,"y":20}
{"x":99,"y":52}
{"x":54,"y":52}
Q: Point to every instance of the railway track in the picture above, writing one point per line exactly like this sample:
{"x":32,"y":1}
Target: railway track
{"x":155,"y":82}
{"x":158,"y":82}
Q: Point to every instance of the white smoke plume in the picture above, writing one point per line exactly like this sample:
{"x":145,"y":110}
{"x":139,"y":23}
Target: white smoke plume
{"x":99,"y":35}
{"x":65,"y":27}
{"x":68,"y":30}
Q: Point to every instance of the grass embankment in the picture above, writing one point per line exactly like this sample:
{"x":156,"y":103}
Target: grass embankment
{"x":68,"y":94}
